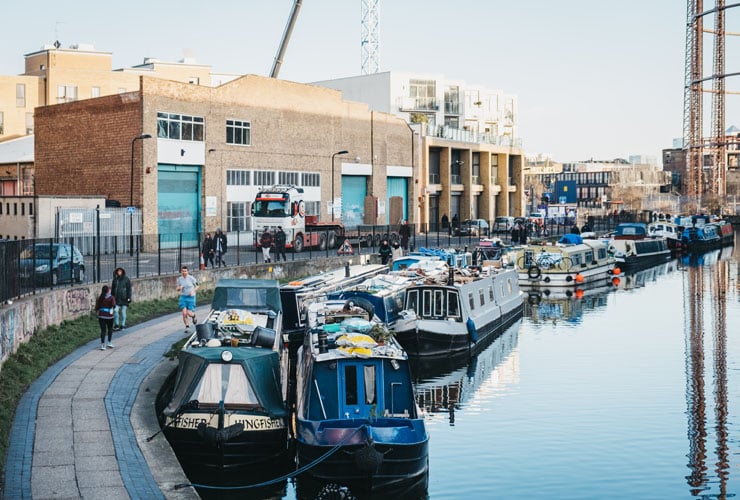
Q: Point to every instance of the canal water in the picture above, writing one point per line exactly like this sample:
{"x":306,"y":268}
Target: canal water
{"x":628,"y":391}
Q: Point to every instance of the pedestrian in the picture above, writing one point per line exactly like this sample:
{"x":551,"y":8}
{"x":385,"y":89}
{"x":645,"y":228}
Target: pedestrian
{"x":445,"y":222}
{"x":515,"y":232}
{"x":266,"y":244}
{"x":104,"y":307}
{"x":405,"y":232}
{"x":208,"y":250}
{"x":396,"y":251}
{"x":385,"y":252}
{"x":187,"y":285}
{"x":280,"y":244}
{"x":220,"y":247}
{"x":121,"y":291}
{"x":453,"y":226}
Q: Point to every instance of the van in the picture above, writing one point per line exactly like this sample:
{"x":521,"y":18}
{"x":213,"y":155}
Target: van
{"x":503,"y":224}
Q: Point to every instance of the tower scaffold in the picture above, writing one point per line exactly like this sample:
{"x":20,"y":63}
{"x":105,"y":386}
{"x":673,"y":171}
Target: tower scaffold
{"x":370,"y":37}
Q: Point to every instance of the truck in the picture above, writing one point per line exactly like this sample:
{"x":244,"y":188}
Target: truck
{"x":284,"y":205}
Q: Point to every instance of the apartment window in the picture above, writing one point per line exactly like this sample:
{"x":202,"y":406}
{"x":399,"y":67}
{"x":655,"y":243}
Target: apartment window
{"x":310,"y":180}
{"x":29,"y":123}
{"x":288,"y":178}
{"x":20,"y":95}
{"x":95,"y":92}
{"x":180,"y":127}
{"x":23,"y":209}
{"x":238,"y":132}
{"x":424,"y":92}
{"x":238,"y":178}
{"x":236,"y":216}
{"x":264,"y":178}
{"x":66,"y":93}
{"x":2,"y":123}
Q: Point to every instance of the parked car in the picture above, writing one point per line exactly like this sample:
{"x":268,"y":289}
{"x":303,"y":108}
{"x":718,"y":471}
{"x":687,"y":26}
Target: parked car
{"x":52,"y":263}
{"x":503,"y":224}
{"x":474,"y":227}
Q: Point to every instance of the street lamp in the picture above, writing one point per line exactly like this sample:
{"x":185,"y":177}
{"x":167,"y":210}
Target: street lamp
{"x":343,"y":152}
{"x":131,"y":191}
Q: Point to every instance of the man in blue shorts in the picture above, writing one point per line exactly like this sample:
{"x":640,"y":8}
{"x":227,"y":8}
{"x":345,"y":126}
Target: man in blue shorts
{"x":187,"y":286}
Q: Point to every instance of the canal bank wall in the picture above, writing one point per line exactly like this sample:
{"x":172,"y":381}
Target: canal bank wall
{"x":20,"y":320}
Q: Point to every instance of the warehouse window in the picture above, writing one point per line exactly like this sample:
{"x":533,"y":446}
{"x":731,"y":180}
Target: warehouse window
{"x":238,"y":132}
{"x":180,"y":127}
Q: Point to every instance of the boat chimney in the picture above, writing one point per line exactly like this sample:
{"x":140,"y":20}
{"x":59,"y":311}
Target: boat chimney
{"x":346,"y":269}
{"x":451,"y":276}
{"x":323,"y":344}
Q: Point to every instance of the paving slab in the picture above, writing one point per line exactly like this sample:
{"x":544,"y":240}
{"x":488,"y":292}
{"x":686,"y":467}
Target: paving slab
{"x":81,"y":430}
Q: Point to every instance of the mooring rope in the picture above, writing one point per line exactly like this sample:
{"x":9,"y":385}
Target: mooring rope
{"x":291,"y":475}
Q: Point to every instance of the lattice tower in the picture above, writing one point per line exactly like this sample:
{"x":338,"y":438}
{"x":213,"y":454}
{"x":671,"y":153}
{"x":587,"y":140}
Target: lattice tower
{"x":370,"y":37}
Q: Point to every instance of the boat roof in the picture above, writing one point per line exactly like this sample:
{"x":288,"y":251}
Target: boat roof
{"x":262,"y":367}
{"x":251,"y":293}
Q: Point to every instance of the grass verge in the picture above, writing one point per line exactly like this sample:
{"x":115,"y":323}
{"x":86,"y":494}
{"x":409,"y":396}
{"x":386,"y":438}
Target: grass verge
{"x":49,"y":346}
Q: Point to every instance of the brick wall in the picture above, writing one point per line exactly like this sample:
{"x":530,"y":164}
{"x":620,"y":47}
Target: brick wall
{"x":84,"y":148}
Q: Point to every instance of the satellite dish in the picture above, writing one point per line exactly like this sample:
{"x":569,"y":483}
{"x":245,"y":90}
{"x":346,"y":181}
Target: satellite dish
{"x":57,"y":44}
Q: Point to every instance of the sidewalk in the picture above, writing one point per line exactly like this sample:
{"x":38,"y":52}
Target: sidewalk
{"x":80,"y":430}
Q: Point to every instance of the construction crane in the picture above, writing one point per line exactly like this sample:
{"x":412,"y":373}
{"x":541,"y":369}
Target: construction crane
{"x":286,"y":38}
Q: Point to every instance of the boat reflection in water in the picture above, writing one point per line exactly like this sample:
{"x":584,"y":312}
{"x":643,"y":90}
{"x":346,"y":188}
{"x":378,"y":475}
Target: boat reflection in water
{"x":445,"y":387}
{"x":553,"y":304}
{"x":638,"y":279}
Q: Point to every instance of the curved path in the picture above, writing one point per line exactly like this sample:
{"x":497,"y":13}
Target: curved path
{"x":81,"y":429}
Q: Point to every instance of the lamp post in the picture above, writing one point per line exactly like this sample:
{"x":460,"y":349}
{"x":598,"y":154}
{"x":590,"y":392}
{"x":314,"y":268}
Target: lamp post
{"x":131,"y":191}
{"x":343,"y":152}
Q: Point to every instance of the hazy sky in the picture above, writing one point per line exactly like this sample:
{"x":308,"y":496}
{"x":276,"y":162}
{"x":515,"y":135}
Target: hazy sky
{"x":595,"y":78}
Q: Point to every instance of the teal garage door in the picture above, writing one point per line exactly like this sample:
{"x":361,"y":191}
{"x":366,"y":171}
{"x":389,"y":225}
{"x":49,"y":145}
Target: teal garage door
{"x":178,"y":205}
{"x":397,"y":186}
{"x":354,"y":189}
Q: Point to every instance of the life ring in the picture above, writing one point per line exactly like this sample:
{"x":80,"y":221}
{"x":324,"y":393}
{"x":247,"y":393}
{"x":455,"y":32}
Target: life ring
{"x":534,"y":298}
{"x":534,"y":272}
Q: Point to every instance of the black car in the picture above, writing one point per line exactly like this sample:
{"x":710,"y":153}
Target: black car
{"x":52,"y":263}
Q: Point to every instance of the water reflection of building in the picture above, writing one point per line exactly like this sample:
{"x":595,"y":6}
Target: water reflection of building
{"x":706,"y":355}
{"x":490,"y":371}
{"x":569,"y":304}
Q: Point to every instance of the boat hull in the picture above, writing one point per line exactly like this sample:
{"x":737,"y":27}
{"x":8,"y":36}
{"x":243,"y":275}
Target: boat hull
{"x":381,"y":454}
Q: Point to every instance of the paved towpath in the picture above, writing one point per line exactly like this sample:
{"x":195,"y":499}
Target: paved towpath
{"x":81,"y":429}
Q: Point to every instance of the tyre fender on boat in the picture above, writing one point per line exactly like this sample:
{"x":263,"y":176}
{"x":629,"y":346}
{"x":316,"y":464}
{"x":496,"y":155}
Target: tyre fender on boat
{"x":364,"y":304}
{"x":471,"y":330}
{"x":534,"y":272}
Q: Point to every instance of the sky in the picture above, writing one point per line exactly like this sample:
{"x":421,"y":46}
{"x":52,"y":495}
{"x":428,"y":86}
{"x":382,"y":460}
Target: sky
{"x":594,"y":78}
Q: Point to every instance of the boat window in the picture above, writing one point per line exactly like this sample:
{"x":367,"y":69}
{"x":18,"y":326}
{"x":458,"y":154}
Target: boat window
{"x":528,"y":258}
{"x":369,"y":373}
{"x":453,"y":308}
{"x":490,"y":292}
{"x":602,"y":253}
{"x":577,"y":259}
{"x":471,"y":300}
{"x":427,"y":303}
{"x":227,"y":383}
{"x":590,"y":256}
{"x":482,"y":297}
{"x":412,"y":301}
{"x":439,"y":303}
{"x":350,"y":385}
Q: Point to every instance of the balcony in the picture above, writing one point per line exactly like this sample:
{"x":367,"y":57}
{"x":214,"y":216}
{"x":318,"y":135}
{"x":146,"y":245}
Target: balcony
{"x":456,"y":179}
{"x":418,"y":104}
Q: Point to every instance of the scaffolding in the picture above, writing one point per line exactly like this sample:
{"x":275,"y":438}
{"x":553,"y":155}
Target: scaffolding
{"x":706,"y":154}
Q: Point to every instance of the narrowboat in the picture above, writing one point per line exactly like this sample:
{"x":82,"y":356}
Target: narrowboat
{"x":356,"y":418}
{"x":571,"y":261}
{"x":634,"y":249}
{"x":382,"y":296}
{"x":227,"y":418}
{"x":669,"y":230}
{"x":462,"y":313}
{"x":698,"y":239}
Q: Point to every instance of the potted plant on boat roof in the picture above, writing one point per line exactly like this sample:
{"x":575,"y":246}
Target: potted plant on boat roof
{"x":380,"y":333}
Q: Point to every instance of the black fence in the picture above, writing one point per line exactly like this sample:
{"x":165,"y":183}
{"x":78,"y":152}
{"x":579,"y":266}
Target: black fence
{"x":30,"y":266}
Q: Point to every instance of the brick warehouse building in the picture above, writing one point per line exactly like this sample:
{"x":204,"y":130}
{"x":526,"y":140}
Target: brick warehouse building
{"x":211,"y":148}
